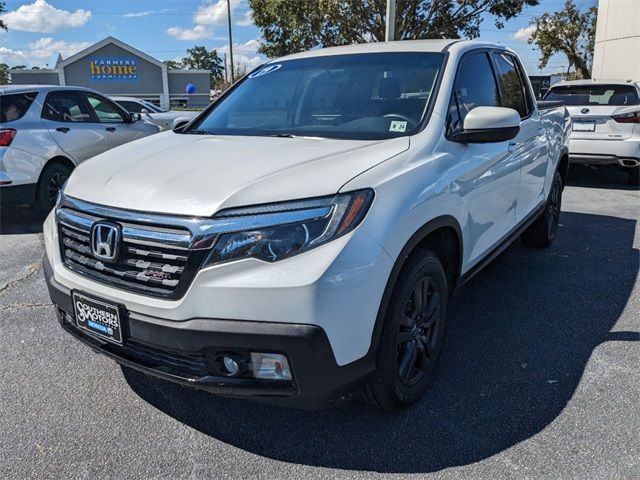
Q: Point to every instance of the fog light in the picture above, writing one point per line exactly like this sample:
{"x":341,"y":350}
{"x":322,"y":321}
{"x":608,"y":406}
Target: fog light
{"x":271,"y":366}
{"x":231,"y":366}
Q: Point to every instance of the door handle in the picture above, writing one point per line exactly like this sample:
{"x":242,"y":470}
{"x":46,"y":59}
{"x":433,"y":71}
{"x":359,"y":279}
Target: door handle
{"x":63,"y":129}
{"x":512,"y":147}
{"x":110,"y":129}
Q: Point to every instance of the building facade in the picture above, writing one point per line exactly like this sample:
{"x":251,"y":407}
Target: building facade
{"x":617,"y":48}
{"x":115,"y":68}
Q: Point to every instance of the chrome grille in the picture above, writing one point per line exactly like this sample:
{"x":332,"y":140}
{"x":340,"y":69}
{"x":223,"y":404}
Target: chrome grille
{"x":146,"y":264}
{"x":159,"y":254}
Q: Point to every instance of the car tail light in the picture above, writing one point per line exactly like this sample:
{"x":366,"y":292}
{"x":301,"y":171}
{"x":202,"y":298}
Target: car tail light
{"x":633,"y":117}
{"x":6,"y":136}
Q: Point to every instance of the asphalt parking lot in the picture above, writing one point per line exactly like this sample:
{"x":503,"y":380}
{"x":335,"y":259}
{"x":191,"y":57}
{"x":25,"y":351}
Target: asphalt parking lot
{"x":539,"y":378}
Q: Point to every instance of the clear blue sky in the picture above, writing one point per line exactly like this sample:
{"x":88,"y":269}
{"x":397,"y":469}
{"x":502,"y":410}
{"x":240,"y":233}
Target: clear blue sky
{"x":166,"y":28}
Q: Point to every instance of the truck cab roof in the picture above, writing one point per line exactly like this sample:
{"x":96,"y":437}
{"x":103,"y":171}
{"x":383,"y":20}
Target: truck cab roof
{"x":395,"y":46}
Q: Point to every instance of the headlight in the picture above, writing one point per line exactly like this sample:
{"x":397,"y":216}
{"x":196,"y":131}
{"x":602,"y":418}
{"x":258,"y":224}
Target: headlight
{"x":291,"y":227}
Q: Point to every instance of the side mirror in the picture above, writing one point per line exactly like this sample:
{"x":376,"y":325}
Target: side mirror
{"x":135,"y":117}
{"x":489,"y":125}
{"x":144,"y":111}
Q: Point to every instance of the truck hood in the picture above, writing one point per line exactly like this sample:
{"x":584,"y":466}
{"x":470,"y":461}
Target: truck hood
{"x":199,"y":175}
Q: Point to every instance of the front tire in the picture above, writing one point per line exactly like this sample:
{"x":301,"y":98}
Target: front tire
{"x":412,"y":333}
{"x":51,"y":181}
{"x":543,"y":231}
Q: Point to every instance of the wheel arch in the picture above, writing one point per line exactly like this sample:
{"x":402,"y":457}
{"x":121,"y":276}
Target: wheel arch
{"x":59,"y":159}
{"x":443,"y":236}
{"x":563,"y":165}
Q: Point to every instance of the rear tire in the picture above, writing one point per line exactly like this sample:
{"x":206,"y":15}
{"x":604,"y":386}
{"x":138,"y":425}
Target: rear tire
{"x":543,"y":231}
{"x":412,"y":334}
{"x":634,"y":176}
{"x":51,"y":181}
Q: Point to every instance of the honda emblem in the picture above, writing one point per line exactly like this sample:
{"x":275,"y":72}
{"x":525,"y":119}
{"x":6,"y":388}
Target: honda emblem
{"x":105,"y":241}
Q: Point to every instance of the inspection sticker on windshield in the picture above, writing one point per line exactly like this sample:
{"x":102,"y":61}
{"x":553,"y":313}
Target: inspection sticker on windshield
{"x":397,"y":126}
{"x":266,"y":70}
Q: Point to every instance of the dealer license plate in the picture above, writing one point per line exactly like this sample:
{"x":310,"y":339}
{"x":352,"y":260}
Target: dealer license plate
{"x":98,"y":317}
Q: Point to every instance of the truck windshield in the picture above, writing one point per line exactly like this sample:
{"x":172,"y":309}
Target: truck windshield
{"x":595,"y":95}
{"x":355,"y":96}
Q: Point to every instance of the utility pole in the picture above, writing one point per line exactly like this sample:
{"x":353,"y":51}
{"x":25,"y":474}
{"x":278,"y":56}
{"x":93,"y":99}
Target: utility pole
{"x":226,"y":73}
{"x":230,"y":40}
{"x":389,"y":31}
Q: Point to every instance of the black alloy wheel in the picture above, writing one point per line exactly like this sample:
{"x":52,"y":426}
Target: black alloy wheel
{"x":543,"y":231}
{"x":553,"y":208}
{"x":418,"y":332}
{"x":412,"y":333}
{"x":51,"y":182}
{"x":56,"y":181}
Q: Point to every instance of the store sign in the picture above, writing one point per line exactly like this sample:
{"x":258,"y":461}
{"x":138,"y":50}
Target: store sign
{"x":113,"y":69}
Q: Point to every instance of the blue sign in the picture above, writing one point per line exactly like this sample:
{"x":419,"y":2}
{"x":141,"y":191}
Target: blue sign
{"x":113,"y":69}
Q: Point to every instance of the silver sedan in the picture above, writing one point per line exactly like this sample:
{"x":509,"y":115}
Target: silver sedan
{"x":45,"y":131}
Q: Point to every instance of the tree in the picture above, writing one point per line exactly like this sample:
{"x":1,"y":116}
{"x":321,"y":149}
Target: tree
{"x":173,"y":65}
{"x":567,"y":31}
{"x":4,"y":74}
{"x":3,"y":26}
{"x":201,"y":58}
{"x":293,"y":26}
{"x":19,"y":67}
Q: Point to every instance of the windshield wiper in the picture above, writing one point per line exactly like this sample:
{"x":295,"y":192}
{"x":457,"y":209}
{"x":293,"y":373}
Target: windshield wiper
{"x":282,"y":135}
{"x":200,"y":132}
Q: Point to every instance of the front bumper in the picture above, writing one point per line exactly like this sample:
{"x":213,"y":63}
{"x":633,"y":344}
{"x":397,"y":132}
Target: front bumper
{"x":183,"y":352}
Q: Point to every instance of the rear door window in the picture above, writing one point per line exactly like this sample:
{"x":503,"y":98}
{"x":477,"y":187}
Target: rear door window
{"x":475,"y":86}
{"x":614,"y":95}
{"x":14,"y":106}
{"x":65,"y":106}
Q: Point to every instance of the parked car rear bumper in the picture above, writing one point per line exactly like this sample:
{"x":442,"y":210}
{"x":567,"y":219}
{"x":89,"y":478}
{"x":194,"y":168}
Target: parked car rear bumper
{"x":625,"y":153}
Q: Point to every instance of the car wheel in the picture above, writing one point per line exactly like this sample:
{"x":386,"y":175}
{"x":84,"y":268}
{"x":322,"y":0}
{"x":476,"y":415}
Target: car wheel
{"x":543,"y":231}
{"x":51,"y":181}
{"x":412,"y":334}
{"x":634,"y":176}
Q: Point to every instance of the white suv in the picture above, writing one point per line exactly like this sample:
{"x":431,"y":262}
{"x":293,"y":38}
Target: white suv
{"x":606,"y":122}
{"x":303,"y":236}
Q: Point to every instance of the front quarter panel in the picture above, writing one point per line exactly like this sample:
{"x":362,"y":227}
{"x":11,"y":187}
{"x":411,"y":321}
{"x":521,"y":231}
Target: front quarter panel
{"x":413,"y":188}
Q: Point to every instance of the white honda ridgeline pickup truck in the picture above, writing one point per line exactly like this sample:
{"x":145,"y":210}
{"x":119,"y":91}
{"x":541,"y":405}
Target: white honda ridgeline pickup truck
{"x":304,"y":234}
